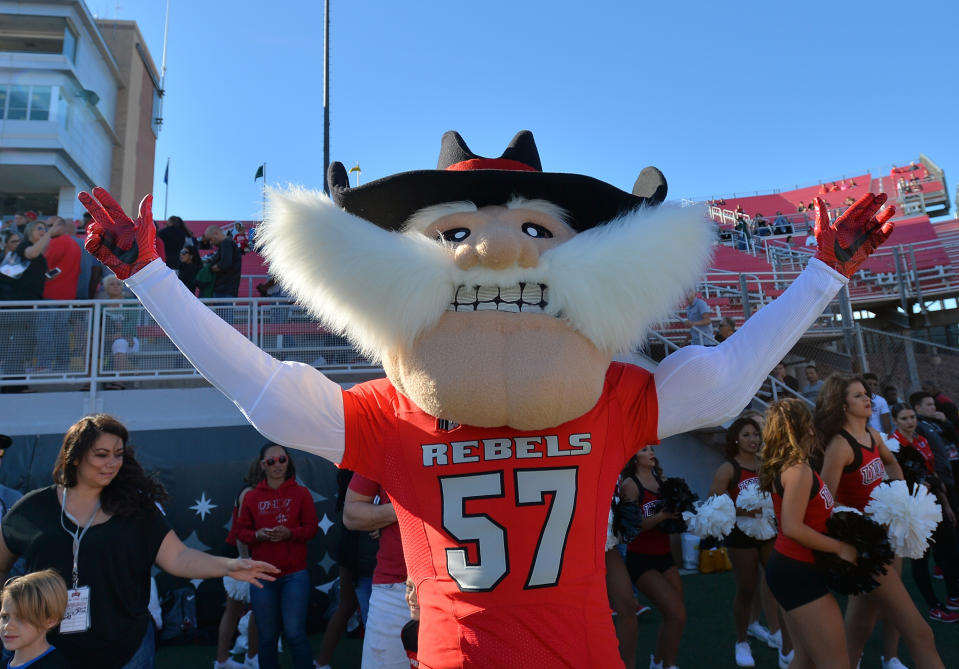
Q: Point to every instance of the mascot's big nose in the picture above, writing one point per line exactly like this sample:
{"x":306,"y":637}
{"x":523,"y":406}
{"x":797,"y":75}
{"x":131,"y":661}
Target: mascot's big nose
{"x":496,"y":247}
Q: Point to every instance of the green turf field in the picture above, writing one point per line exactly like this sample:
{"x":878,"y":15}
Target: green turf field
{"x":707,"y":643}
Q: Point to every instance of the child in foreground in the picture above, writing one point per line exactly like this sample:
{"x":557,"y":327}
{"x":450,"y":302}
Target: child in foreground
{"x":31,"y":606}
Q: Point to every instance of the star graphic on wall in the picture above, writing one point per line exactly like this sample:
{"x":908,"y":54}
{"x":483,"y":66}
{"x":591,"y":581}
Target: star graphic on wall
{"x":325,"y":524}
{"x":203,"y":506}
{"x":327,"y":563}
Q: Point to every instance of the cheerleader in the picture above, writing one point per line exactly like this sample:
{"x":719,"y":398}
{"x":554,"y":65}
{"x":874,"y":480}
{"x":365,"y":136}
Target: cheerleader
{"x":649,"y":559}
{"x":802,"y":504}
{"x":853,"y":464}
{"x":944,"y":538}
{"x":738,"y":472}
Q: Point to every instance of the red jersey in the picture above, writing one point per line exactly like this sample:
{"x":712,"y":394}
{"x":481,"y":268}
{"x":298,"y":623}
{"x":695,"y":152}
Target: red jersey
{"x":64,"y":254}
{"x":920,"y":444}
{"x":817,"y":513}
{"x":504,"y":530}
{"x":290,"y":505}
{"x":390,"y":567}
{"x":862,"y":475}
{"x":654,"y":541}
{"x":746,"y":478}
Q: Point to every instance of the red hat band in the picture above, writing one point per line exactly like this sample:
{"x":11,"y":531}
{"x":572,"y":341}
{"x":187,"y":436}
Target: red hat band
{"x":490,"y":164}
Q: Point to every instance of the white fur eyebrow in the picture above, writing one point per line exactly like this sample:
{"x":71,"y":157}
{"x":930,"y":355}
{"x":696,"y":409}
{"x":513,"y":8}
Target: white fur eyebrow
{"x":540,"y":205}
{"x":425,"y":217}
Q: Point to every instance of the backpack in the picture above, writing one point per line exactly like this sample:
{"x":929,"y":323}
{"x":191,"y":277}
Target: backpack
{"x":179,"y":615}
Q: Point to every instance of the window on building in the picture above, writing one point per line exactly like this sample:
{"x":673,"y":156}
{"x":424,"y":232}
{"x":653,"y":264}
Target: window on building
{"x":40,"y":103}
{"x":18,"y":103}
{"x":21,"y":103}
{"x":26,"y":33}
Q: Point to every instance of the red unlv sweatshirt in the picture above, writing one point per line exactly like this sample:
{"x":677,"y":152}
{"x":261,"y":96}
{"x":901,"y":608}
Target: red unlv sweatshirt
{"x":289,"y":505}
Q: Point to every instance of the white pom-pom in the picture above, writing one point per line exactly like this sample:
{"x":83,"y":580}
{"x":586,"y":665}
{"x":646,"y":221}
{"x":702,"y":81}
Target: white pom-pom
{"x":713,"y":518}
{"x":760,"y":527}
{"x":910,"y":519}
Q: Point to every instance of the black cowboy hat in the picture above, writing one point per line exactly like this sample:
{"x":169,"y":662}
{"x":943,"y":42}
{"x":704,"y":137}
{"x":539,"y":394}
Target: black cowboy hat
{"x":462,"y":175}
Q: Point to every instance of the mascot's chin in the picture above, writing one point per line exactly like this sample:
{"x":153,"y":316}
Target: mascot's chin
{"x":395,"y":296}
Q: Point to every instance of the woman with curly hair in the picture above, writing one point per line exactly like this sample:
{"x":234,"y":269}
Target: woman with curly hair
{"x":649,"y":559}
{"x":100,"y":527}
{"x":802,"y":504}
{"x":740,"y":470}
{"x":854,"y":462}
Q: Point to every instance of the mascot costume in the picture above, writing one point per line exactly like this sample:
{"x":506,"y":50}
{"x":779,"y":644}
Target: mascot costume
{"x":495,"y":295}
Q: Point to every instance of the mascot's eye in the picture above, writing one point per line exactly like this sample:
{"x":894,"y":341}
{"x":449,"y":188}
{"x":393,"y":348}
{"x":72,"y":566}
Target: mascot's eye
{"x":454,"y":235}
{"x":537,"y":231}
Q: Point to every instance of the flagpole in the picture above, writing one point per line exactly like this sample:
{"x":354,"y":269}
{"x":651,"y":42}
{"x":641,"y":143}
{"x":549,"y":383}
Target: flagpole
{"x":166,"y":189}
{"x":263,"y":211}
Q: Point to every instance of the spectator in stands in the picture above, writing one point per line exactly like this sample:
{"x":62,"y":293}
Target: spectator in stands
{"x":801,"y":207}
{"x":226,"y":263}
{"x":779,"y":374}
{"x":29,"y":255}
{"x":943,"y":402}
{"x":813,"y":384}
{"x":699,"y":319}
{"x":762,"y":226}
{"x":238,"y":233}
{"x":942,"y":439}
{"x":20,"y":221}
{"x":811,"y":239}
{"x":881,"y":420}
{"x":850,"y":200}
{"x":725,"y":329}
{"x":781,"y":225}
{"x":63,"y":257}
{"x":368,"y":508}
{"x":891,"y":395}
{"x":120,"y":329}
{"x":190,"y":264}
{"x":175,"y":236}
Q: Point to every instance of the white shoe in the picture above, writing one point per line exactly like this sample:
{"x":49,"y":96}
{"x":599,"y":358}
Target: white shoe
{"x":252,"y":662}
{"x":892,"y":663}
{"x":229,"y":664}
{"x":744,"y":655}
{"x":775,"y":640}
{"x":653,"y":664}
{"x":758,"y":631}
{"x":786,"y":660}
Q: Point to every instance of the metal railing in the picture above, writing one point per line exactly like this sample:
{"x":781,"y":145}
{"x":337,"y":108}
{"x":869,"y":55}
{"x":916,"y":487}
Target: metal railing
{"x":91,"y":342}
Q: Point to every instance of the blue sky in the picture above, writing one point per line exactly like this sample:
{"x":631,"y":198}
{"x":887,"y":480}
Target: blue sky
{"x":722,"y":97}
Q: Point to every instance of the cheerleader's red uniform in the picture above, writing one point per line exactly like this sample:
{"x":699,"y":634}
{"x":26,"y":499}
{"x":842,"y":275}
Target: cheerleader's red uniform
{"x":650,"y":549}
{"x":862,"y":475}
{"x":791,"y":572}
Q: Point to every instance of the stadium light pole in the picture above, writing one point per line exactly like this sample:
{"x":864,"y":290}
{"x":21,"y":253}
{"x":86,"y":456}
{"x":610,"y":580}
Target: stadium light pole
{"x":326,"y":94}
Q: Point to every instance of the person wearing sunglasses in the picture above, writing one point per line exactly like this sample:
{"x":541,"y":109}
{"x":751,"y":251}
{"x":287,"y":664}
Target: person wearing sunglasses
{"x":277,"y":519}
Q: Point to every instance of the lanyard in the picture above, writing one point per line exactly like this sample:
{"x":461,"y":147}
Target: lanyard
{"x":77,"y":535}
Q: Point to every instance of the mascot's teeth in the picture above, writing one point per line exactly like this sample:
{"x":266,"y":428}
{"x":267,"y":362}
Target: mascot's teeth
{"x":521,"y":297}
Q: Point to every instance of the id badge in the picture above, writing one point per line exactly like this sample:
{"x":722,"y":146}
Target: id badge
{"x":77,"y":616}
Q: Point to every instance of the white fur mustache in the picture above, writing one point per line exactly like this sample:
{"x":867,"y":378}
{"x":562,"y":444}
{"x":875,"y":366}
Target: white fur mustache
{"x":382,"y":289}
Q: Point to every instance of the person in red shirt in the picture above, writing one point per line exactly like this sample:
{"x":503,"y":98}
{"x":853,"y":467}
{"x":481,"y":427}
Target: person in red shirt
{"x":802,"y":503}
{"x":276,"y":521}
{"x":63,"y":253}
{"x":943,"y":544}
{"x":855,"y":461}
{"x":368,"y":508}
{"x":739,"y":471}
{"x":649,"y":558}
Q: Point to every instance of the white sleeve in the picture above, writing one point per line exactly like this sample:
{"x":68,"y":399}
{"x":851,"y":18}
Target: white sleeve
{"x":699,"y":386}
{"x":287,"y":402}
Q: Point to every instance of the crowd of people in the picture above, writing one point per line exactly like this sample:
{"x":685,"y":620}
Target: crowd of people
{"x":99,"y":529}
{"x":43,"y":258}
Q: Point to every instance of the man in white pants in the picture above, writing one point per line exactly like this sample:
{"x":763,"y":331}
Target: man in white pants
{"x":368,"y":508}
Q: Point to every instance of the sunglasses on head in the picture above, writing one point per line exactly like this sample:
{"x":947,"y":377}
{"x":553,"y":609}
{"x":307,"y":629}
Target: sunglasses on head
{"x":272,"y":461}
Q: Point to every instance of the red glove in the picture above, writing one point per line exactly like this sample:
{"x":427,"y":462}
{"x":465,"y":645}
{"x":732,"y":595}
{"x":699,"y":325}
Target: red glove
{"x":116,"y":241}
{"x":855,"y":235}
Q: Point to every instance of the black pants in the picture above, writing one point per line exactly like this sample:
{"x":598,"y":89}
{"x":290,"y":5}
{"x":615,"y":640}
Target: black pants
{"x":945,"y":550}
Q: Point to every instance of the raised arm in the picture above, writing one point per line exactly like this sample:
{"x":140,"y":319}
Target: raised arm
{"x":702,"y":386}
{"x":287,"y":402}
